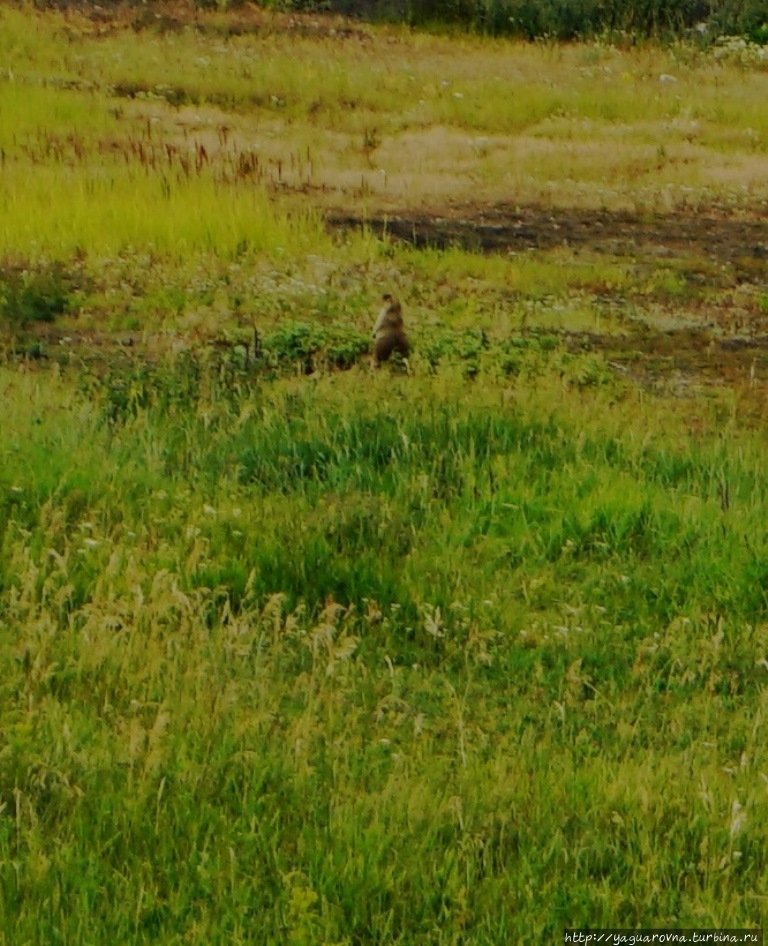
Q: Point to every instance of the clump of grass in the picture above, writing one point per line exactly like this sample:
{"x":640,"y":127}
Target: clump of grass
{"x":34,"y":294}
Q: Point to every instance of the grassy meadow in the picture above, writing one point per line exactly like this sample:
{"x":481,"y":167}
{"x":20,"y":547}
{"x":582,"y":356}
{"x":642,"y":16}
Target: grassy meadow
{"x":295,"y":652}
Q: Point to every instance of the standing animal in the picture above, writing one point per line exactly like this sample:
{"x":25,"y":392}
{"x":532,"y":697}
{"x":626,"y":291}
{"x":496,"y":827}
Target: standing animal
{"x":388,"y":332}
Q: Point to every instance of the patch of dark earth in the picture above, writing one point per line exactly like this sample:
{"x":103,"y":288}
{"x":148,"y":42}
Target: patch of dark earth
{"x":718,"y":236}
{"x":677,"y":361}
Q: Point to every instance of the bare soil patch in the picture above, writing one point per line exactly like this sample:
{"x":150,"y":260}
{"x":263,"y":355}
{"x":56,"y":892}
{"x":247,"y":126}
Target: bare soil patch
{"x":507,"y":229}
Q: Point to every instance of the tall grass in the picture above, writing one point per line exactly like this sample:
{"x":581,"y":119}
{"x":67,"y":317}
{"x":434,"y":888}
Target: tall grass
{"x":74,"y":182}
{"x":59,"y":212}
{"x":376,"y":662}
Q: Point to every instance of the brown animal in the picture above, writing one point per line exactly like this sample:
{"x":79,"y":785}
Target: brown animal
{"x":388,"y":332}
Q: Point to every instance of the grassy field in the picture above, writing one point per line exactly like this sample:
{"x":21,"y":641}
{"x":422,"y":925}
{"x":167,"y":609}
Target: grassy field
{"x":295,"y":652}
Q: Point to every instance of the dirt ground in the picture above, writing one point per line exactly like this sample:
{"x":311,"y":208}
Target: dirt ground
{"x":509,"y":229}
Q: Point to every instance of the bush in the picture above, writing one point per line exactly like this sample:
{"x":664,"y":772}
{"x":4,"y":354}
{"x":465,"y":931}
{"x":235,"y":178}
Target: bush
{"x":34,"y":295}
{"x":308,"y":347}
{"x":563,"y":19}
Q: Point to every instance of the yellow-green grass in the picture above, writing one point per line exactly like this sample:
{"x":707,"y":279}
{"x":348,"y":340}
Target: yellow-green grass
{"x":387,"y":119}
{"x":58,"y":213}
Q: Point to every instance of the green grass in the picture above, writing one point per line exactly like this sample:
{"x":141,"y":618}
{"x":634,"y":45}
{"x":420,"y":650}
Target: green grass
{"x":336,"y":663}
{"x":298,"y":655}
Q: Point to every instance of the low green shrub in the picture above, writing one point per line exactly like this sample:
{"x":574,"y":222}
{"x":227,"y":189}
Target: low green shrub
{"x":35,"y":293}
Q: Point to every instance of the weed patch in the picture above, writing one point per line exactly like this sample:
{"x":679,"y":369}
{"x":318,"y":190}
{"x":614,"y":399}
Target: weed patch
{"x":30,"y":293}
